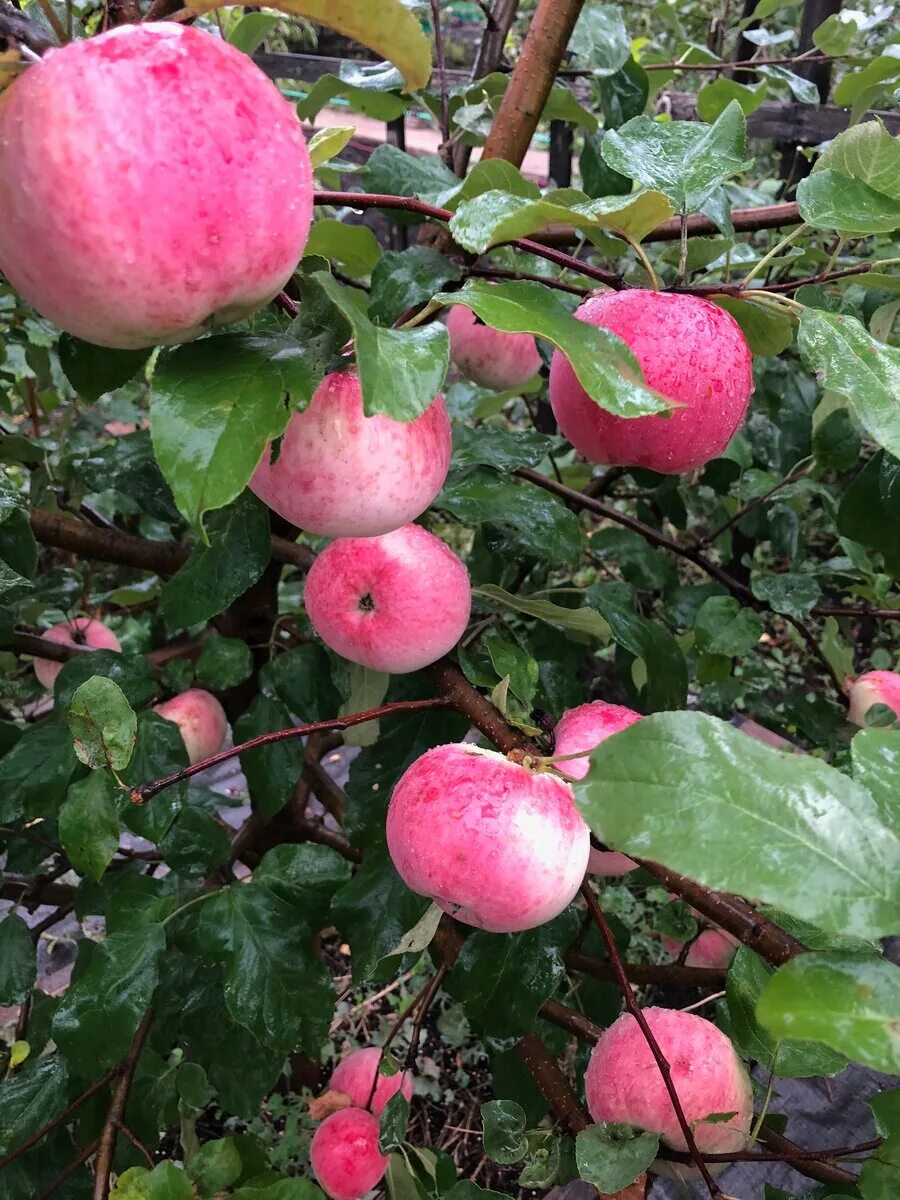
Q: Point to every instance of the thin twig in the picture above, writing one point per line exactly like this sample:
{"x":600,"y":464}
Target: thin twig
{"x":117,"y":1106}
{"x":73,"y":1166}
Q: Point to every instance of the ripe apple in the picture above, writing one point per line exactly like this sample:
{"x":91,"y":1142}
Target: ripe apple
{"x":487,"y":356}
{"x":345,"y":1156}
{"x":875,"y":687}
{"x":342,"y":473}
{"x":81,"y":631}
{"x":690,"y":351}
{"x":153,"y":184}
{"x":494,"y":843}
{"x":713,"y":948}
{"x":623,"y":1082}
{"x":355,"y":1074}
{"x":393,"y":603}
{"x":201,"y":719}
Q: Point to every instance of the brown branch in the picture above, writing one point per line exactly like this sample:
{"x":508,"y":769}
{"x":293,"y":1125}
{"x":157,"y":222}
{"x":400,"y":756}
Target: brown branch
{"x":147,"y":791}
{"x":823,"y":1172}
{"x":791,"y":285}
{"x":571,"y":1020}
{"x":39,"y":647}
{"x":789,"y":1152}
{"x":34,"y":892}
{"x":750,"y":63}
{"x":634,"y":1008}
{"x":116,"y":1113}
{"x":59,"y":1118}
{"x":745,"y":220}
{"x":554,"y":1086}
{"x":425,"y":1002}
{"x":534,"y":75}
{"x":663,"y":974}
{"x":138,"y":1145}
{"x":470,"y":703}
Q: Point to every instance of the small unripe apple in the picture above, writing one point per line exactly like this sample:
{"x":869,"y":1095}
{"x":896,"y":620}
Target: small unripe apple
{"x":487,"y":356}
{"x":201,"y":719}
{"x":81,"y":631}
{"x":394,"y":603}
{"x":342,"y":473}
{"x":355,"y":1074}
{"x":623,"y":1083}
{"x":495,"y":844}
{"x":153,"y":184}
{"x":712,"y":948}
{"x":875,"y":687}
{"x":690,"y":351}
{"x":345,"y":1156}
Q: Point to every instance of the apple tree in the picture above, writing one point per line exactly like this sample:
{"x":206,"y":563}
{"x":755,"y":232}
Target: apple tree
{"x":565,"y":516}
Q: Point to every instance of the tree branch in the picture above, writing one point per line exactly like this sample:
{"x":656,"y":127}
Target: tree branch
{"x":116,"y":1112}
{"x":745,"y":220}
{"x":663,"y":974}
{"x":59,"y":1118}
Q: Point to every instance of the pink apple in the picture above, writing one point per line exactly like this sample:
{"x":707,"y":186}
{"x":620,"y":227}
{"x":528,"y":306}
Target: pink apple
{"x":355,"y":1074}
{"x":394,"y":603}
{"x":494,"y":843}
{"x":713,"y":948}
{"x":487,"y":356}
{"x":623,"y":1082}
{"x":201,"y":719}
{"x":345,"y":1156}
{"x":81,"y":631}
{"x":153,"y":184}
{"x":342,"y":473}
{"x":584,"y":728}
{"x":610,"y":862}
{"x":690,"y":351}
{"x":875,"y":687}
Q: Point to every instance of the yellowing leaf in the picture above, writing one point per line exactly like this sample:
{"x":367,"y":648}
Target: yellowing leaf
{"x":329,"y":142}
{"x":387,"y":27}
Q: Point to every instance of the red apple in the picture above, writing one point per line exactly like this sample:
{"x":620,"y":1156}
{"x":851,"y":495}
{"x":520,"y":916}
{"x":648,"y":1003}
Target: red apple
{"x":345,"y":1156}
{"x":81,"y":631}
{"x":875,"y":687}
{"x":690,"y":351}
{"x":355,"y":1074}
{"x":153,"y":184}
{"x":393,"y":603}
{"x":623,"y":1083}
{"x":487,"y":356}
{"x":341,"y":473}
{"x":201,"y":719}
{"x":713,"y":948}
{"x":494,"y":843}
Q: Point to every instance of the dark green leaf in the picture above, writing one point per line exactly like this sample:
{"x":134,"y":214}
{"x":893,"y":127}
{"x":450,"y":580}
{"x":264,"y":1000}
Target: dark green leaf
{"x":216,"y":574}
{"x":612,"y":1156}
{"x":367,"y":87}
{"x":394,"y":1119}
{"x":880,"y":1174}
{"x":736,"y":815}
{"x":18,"y":969}
{"x":836,"y":442}
{"x":224,"y":662}
{"x":193,"y":1085}
{"x":502,"y":449}
{"x":869,"y":514}
{"x":849,"y":1002}
{"x":667,"y":677}
{"x":401,"y":279}
{"x":158,"y":751}
{"x":95,"y":370}
{"x":98,"y":1015}
{"x":723,"y":626}
{"x":272,"y":771}
{"x":305,"y":876}
{"x":373,"y":912}
{"x":89,"y":824}
{"x":103,"y":724}
{"x":504,"y":1131}
{"x":767,"y":332}
{"x":194,"y":843}
{"x":791,"y":593}
{"x":29,"y":1099}
{"x":301,"y":678}
{"x":131,"y":672}
{"x":35,"y":773}
{"x":395,"y":172}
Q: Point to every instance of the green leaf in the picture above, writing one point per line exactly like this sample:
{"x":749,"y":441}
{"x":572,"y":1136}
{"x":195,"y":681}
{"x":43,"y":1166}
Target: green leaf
{"x":836,"y":442}
{"x":867,"y":153}
{"x":131,"y":672}
{"x":393,"y":1121}
{"x":224,"y":662}
{"x":876,"y":761}
{"x":18,"y":969}
{"x":103,"y":724}
{"x":272,"y":771}
{"x":325,"y":144}
{"x":650,"y":641}
{"x":369,"y":88}
{"x":791,"y":593}
{"x":301,"y":679}
{"x":216,"y":574}
{"x":723,"y":626}
{"x":868,"y":512}
{"x":403,"y":278}
{"x":216,"y":404}
{"x":194,"y":843}
{"x":510,"y":661}
{"x":249,"y":33}
{"x":577,"y":620}
{"x":496,"y":217}
{"x":880,"y":75}
{"x":35,"y":773}
{"x":502,"y":449}
{"x":880,"y":1174}
{"x":373,"y":912}
{"x":89,"y":824}
{"x":503,"y":979}
{"x":215,"y":1166}
{"x":355,"y":247}
{"x":832,"y":200}
{"x":691,"y":791}
{"x":306,"y":876}
{"x":686,"y":160}
{"x":165,"y":1182}
{"x":367,"y":689}
{"x":95,"y":370}
{"x":612,"y":1156}
{"x":788,"y":1058}
{"x":504,"y":1124}
{"x":848,"y":360}
{"x":550,"y":530}
{"x":836,"y":34}
{"x":600,"y":40}
{"x":193,"y":1085}
{"x":400,"y":370}
{"x":394,"y":172}
{"x":99,"y":1014}
{"x":158,"y":751}
{"x":714,"y":98}
{"x":802,"y":89}
{"x":849,"y":1002}
{"x":29,"y":1099}
{"x":390,"y":29}
{"x":605,"y":367}
{"x":274,"y":986}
